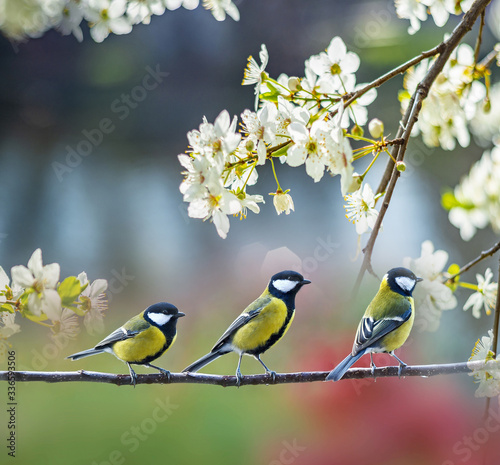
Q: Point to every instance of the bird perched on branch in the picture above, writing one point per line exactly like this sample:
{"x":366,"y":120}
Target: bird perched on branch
{"x":141,"y":339}
{"x":263,"y":323}
{"x":387,"y":321}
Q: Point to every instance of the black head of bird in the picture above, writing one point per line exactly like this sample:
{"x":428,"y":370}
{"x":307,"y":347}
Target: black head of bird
{"x":402,"y":281}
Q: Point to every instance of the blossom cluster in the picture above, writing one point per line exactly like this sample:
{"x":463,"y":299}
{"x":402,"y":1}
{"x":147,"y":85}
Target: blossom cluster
{"x":487,"y":376}
{"x":440,"y":10}
{"x":475,"y":201}
{"x":36,"y":293}
{"x":20,"y":19}
{"x":453,"y":101}
{"x":436,"y":292}
{"x":298,"y":121}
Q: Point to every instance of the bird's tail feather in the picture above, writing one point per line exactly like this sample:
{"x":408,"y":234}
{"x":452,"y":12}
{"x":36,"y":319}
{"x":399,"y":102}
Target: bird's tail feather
{"x":209,"y":358}
{"x":85,"y":353}
{"x":343,"y":366}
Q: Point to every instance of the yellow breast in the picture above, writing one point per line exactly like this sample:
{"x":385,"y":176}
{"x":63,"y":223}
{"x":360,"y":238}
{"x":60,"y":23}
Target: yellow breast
{"x":398,"y":337}
{"x":262,"y":330}
{"x":146,"y":344}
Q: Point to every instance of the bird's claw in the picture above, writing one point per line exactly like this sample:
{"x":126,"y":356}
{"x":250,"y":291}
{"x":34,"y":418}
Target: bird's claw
{"x":401,"y":368}
{"x":272,"y":374}
{"x":239,"y":377}
{"x":166,"y":373}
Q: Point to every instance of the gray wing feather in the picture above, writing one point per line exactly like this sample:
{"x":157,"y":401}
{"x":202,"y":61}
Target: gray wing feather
{"x":251,"y":312}
{"x":370,"y":330}
{"x":118,"y":335}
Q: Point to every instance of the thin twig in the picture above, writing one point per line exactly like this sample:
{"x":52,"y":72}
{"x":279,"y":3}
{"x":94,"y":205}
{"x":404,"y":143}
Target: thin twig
{"x":411,"y":116}
{"x":482,"y":256}
{"x":253,"y":380}
{"x":389,"y":75}
{"x":488,"y":59}
{"x":479,"y":37}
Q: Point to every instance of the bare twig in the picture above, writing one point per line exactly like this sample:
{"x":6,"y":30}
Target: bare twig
{"x":479,"y":37}
{"x":226,"y":381}
{"x":482,"y":256}
{"x":389,"y":75}
{"x":411,"y":116}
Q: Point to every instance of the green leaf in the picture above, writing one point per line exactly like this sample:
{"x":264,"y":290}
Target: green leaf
{"x":272,"y":95}
{"x":7,"y":308}
{"x":282,"y":151}
{"x":69,"y":290}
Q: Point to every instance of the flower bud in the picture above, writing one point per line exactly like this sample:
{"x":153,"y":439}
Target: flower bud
{"x":401,"y":166}
{"x":294,"y":84}
{"x":376,"y":128}
{"x":357,"y":131}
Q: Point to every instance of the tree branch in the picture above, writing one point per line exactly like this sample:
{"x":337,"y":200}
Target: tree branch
{"x":411,"y":116}
{"x":389,"y":75}
{"x":226,"y":381}
{"x":482,"y":256}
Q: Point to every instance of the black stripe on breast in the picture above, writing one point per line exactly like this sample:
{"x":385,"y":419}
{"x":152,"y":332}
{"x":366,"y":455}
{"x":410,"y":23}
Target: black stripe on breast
{"x":275,"y":337}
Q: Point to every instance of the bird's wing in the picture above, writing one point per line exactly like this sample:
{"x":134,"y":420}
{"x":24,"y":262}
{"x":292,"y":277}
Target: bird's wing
{"x":371,"y":330}
{"x":249,"y":314}
{"x":130,"y":329}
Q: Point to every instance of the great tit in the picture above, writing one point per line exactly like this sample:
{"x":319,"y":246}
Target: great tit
{"x":387,"y":321}
{"x":141,"y":339}
{"x":263,"y":323}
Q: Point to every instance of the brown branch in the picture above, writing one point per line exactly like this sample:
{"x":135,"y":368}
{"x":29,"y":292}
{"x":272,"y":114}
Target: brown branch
{"x":226,"y":381}
{"x":389,"y":75}
{"x":411,"y":116}
{"x":479,"y":37}
{"x":482,"y":256}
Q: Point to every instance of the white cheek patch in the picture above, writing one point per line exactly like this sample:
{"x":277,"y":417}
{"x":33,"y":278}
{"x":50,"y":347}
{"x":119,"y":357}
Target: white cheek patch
{"x":159,"y":318}
{"x":284,"y":285}
{"x":405,"y":283}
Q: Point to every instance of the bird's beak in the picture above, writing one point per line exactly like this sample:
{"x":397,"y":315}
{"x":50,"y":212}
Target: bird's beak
{"x":305,"y":281}
{"x":419,"y":279}
{"x":180,"y":314}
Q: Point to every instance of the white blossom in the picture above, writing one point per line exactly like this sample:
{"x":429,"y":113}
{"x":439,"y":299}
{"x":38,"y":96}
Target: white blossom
{"x":107,"y":16}
{"x":93,"y":302}
{"x":255,"y":74}
{"x":335,"y":67}
{"x":220,"y":8}
{"x":488,"y":378}
{"x":41,"y":281}
{"x":484,"y":297}
{"x":360,"y":209}
{"x":431,"y":295}
{"x":283,"y":202}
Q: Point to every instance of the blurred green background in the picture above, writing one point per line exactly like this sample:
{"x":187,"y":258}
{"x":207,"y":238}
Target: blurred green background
{"x":119,"y":212}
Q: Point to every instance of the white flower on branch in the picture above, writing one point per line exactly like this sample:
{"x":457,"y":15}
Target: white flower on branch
{"x":431,"y":296}
{"x":452,"y":102}
{"x":107,"y":16}
{"x":487,"y":378}
{"x":335,"y":67}
{"x":360,"y":209}
{"x":475,"y":202}
{"x":440,"y":10}
{"x":72,"y":15}
{"x":221,"y":8}
{"x":140,"y":11}
{"x":255,"y":74}
{"x":41,"y":281}
{"x":283,"y":202}
{"x":485,"y":297}
{"x":93,"y":302}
